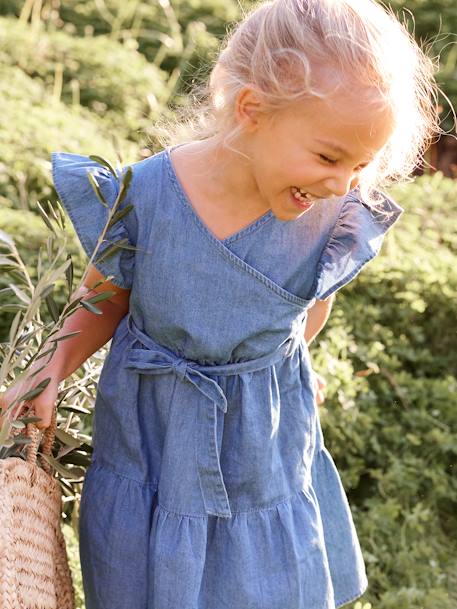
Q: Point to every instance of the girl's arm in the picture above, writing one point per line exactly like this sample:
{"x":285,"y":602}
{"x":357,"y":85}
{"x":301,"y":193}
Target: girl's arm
{"x":95,"y":330}
{"x":317,"y":317}
{"x":316,"y":320}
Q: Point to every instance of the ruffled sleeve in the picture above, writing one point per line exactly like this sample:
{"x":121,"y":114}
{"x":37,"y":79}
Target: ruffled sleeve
{"x":356,"y":239}
{"x":89,"y":216}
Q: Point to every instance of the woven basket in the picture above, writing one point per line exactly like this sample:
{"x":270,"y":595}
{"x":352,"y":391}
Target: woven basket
{"x":34,"y":570}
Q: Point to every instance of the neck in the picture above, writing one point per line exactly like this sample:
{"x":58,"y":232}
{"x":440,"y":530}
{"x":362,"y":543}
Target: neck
{"x":227,"y":175}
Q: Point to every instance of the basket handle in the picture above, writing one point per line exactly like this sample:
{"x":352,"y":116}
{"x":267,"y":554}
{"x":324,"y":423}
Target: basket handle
{"x":48,"y":440}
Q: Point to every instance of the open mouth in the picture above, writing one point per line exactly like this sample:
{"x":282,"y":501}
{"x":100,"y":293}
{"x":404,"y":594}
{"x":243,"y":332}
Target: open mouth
{"x":303,"y":199}
{"x":302,"y":195}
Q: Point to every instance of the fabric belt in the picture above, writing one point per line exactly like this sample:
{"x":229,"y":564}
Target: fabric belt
{"x":153,"y":358}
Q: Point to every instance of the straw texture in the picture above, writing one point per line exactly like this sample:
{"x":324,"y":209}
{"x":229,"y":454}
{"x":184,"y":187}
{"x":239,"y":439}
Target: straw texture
{"x":34,"y":570}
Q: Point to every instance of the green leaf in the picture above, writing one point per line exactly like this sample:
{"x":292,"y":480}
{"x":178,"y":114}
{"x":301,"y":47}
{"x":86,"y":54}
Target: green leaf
{"x":18,"y":424}
{"x":35,"y":391}
{"x":19,"y":440}
{"x":101,"y":296}
{"x":44,"y":354}
{"x":27,"y":420}
{"x":97,"y":190}
{"x":68,"y":473}
{"x":11,"y":308}
{"x":45,"y":217}
{"x":52,"y":211}
{"x":47,"y":290}
{"x":120,"y":214}
{"x":76,"y":458}
{"x":20,"y":293}
{"x":76,"y":409}
{"x":111,"y":249}
{"x":90,"y":307}
{"x":52,"y":307}
{"x":105,"y":163}
{"x":5,"y":261}
{"x":72,"y":305}
{"x":69,"y":335}
{"x":69,"y":274}
{"x":126,"y":180}
{"x":67,"y":438}
{"x":14,"y":326}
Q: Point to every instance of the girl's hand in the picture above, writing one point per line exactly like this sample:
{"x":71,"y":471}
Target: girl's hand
{"x":319,"y":387}
{"x":43,"y":403}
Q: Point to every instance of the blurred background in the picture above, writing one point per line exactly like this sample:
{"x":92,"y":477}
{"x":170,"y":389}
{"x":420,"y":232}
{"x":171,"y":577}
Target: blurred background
{"x":94,"y":77}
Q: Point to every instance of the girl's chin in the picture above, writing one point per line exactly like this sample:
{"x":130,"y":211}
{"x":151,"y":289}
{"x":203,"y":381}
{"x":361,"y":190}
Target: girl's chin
{"x":289,"y":215}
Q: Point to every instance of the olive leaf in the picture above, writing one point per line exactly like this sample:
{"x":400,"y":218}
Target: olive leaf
{"x":90,"y":307}
{"x":97,"y":189}
{"x":105,"y":163}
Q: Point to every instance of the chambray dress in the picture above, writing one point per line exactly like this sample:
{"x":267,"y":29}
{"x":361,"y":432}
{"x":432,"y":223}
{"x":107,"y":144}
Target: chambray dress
{"x":210,"y":485}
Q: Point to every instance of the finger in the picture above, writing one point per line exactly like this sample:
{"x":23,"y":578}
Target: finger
{"x":45,"y":415}
{"x":321,"y":381}
{"x":320,"y":398}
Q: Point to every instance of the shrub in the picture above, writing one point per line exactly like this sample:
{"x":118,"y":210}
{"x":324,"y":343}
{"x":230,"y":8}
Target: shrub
{"x":112,"y":80}
{"x":32,"y":126}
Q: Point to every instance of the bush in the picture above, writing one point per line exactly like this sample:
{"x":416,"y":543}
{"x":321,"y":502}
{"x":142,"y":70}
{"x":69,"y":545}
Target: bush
{"x":110,"y":79}
{"x":42,"y":125}
{"x":30,"y":233}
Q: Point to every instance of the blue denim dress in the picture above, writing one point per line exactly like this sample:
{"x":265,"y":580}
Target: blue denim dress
{"x":211,"y":486}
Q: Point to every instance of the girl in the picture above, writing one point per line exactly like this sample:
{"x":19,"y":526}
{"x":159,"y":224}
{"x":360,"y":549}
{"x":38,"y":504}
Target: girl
{"x":211,"y":486}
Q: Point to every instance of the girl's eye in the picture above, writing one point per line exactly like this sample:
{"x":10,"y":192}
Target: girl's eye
{"x":326,"y":159}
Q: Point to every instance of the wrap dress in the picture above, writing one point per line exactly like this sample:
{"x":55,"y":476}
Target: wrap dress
{"x":210,"y":485}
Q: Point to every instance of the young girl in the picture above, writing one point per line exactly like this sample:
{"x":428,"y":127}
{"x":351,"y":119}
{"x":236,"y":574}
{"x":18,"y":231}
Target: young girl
{"x":211,"y":486}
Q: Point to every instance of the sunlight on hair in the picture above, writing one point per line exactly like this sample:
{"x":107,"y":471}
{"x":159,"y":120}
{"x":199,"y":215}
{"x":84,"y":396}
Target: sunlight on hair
{"x":292,"y":50}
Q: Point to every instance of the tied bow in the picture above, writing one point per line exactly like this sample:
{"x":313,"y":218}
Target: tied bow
{"x":152,"y":360}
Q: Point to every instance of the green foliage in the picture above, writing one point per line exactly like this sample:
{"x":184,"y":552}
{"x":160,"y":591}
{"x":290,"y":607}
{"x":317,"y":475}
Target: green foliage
{"x":180,"y":37}
{"x":112,"y":80}
{"x":30,"y":233}
{"x":42,"y":125}
{"x":434,"y":24}
{"x":71,"y":542}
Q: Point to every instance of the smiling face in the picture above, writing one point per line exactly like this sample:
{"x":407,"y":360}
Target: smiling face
{"x":319,"y":146}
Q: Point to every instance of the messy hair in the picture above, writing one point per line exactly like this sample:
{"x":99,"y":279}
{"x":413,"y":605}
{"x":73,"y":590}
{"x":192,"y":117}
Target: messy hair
{"x":290,"y":50}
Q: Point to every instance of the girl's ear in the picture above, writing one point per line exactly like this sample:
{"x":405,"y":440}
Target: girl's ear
{"x":248,"y":109}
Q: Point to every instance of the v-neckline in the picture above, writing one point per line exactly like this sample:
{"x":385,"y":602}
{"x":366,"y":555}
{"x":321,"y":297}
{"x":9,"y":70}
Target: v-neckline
{"x":187,"y":202}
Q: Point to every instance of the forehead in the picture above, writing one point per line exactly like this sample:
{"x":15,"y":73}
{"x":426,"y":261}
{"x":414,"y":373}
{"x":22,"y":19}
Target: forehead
{"x":343,"y":122}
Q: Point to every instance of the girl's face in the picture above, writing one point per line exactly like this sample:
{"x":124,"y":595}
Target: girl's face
{"x":319,"y":146}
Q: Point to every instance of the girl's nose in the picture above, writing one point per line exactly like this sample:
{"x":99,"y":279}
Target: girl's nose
{"x":339,"y":185}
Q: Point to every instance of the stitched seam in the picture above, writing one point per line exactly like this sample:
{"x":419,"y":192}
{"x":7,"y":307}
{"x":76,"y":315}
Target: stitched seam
{"x":255,"y":510}
{"x":388,"y":221}
{"x":249,"y":229}
{"x":240,"y":264}
{"x":362,"y":590}
{"x":96,"y":464}
{"x":348,"y":278}
{"x":320,"y":265}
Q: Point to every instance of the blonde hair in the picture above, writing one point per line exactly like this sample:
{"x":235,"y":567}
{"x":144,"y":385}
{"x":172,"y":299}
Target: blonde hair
{"x":291,"y":50}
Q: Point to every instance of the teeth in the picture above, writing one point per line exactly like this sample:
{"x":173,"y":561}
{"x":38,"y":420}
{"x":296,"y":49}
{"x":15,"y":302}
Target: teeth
{"x":300,"y":194}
